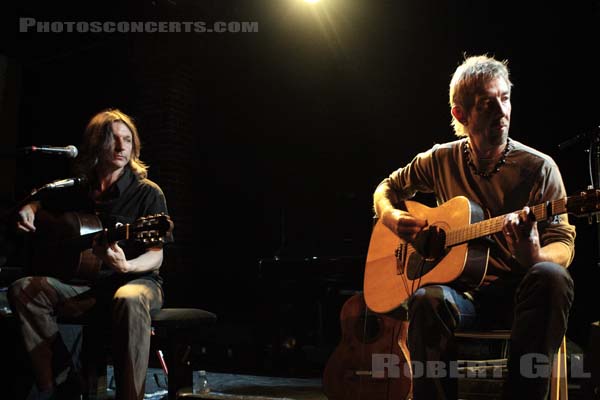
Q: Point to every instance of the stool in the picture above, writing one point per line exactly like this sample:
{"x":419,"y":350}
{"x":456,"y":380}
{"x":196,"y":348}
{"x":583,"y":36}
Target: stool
{"x":176,"y":325}
{"x":558,"y":379}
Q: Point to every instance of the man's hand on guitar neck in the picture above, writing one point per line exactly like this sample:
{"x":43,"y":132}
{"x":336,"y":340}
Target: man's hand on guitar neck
{"x":522,"y":237}
{"x":110,"y":253}
{"x":403,"y":224}
{"x":26,"y":217}
{"x":113,"y":256}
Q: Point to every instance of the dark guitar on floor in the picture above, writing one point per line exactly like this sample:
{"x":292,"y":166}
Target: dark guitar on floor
{"x":449,"y":252}
{"x":349,"y":373}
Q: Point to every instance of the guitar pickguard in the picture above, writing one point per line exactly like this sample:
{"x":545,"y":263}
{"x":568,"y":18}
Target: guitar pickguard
{"x":418,"y":265}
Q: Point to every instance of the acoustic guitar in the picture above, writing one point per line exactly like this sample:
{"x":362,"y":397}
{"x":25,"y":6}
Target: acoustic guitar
{"x":352,"y":371}
{"x":62,"y":244}
{"x":450,"y":250}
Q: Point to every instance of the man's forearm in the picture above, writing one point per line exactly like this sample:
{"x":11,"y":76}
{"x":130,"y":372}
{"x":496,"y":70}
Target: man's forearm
{"x":151,"y":260}
{"x":383,"y":199}
{"x":556,"y":252}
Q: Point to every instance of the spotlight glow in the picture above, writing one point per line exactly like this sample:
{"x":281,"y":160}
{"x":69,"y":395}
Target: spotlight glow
{"x":312,"y":1}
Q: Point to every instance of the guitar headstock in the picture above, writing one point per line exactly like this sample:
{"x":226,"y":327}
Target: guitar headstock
{"x":587,"y":202}
{"x":152,"y":230}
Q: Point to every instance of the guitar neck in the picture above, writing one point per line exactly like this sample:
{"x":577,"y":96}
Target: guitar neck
{"x":493,"y":225}
{"x":112,"y":235}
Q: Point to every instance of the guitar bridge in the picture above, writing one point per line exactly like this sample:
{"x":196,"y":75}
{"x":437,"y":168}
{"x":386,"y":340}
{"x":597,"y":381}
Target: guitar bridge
{"x":401,"y":252}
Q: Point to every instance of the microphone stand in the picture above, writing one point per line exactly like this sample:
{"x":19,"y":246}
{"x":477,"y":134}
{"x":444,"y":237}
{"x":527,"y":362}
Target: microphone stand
{"x":594,"y":165}
{"x":594,"y":170}
{"x":32,"y":195}
{"x":14,"y":153}
{"x":595,"y":161}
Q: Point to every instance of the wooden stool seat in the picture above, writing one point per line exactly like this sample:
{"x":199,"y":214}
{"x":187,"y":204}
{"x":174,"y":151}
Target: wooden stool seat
{"x":180,"y":318}
{"x":558,"y":380}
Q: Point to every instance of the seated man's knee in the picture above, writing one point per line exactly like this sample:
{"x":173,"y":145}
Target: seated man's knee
{"x":21,"y":290}
{"x":551,"y":274}
{"x":427,"y":297}
{"x":552,"y":279}
{"x":130,"y":297}
{"x":16,"y":287}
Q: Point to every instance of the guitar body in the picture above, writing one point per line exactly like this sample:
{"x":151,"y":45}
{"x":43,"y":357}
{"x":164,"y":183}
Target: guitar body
{"x":62,"y":245}
{"x":348,"y":374}
{"x":394,"y":269}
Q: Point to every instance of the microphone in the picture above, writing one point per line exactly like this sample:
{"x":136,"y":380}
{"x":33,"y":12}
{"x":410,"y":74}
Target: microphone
{"x":63,"y":183}
{"x":578,"y":138}
{"x":59,"y":184}
{"x":69,"y":151}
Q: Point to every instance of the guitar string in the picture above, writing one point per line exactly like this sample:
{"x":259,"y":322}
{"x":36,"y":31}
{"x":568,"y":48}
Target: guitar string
{"x":420,"y":269}
{"x":404,"y":278}
{"x":493,"y":225}
{"x":405,"y":282}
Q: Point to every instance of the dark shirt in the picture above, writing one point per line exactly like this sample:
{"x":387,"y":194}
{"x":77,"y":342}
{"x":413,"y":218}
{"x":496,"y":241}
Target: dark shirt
{"x":128,"y":199}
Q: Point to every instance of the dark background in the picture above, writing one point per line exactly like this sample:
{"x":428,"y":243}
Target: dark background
{"x":268,"y":145}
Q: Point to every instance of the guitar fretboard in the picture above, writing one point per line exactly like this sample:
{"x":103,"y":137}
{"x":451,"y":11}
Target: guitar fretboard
{"x":493,"y":225}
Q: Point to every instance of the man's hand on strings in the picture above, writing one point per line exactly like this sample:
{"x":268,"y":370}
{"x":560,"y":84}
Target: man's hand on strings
{"x":403,"y":224}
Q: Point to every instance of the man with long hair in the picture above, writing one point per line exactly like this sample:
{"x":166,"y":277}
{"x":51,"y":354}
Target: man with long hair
{"x":127,"y":288}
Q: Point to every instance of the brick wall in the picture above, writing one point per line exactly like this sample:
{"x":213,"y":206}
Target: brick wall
{"x":163,"y":103}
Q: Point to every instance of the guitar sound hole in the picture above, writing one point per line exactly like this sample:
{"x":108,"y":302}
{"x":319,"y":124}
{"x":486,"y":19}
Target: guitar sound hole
{"x":368,"y":329}
{"x":430,"y":242}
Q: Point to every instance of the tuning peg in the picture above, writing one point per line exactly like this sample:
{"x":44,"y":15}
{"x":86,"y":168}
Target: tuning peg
{"x":593,"y":218}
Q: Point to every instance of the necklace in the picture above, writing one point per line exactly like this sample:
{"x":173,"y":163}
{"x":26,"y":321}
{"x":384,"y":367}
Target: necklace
{"x":485,"y":174}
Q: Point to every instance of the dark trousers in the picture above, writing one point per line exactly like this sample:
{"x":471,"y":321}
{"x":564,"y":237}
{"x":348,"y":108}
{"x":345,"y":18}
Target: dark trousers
{"x":125,"y":306}
{"x":536,"y":308}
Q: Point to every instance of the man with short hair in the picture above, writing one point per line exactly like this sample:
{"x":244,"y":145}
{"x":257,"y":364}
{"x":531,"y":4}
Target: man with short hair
{"x":526,"y":287}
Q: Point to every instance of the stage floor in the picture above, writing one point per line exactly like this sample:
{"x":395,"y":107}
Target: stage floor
{"x":239,"y":387}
